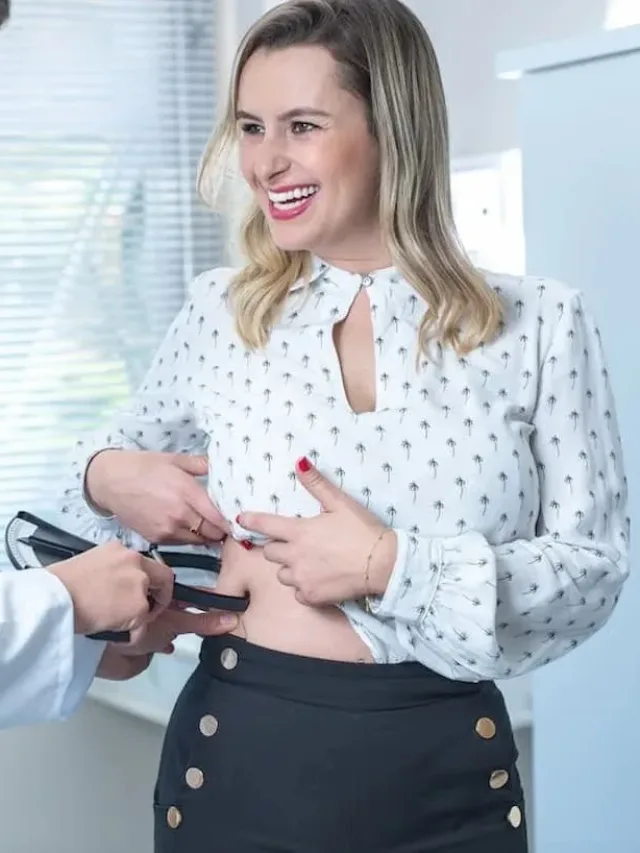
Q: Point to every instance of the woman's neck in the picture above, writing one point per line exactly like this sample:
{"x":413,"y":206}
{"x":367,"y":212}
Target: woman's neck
{"x":363,"y":260}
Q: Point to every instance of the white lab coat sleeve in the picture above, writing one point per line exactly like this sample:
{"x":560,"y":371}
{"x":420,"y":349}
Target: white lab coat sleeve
{"x":45,"y":669}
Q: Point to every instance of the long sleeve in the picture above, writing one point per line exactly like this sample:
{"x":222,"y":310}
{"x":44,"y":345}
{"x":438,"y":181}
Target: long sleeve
{"x":158,"y":417}
{"x":45,"y":670}
{"x":475,"y":610}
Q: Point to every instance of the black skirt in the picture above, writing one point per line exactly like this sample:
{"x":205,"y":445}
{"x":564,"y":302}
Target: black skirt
{"x":268,"y":752}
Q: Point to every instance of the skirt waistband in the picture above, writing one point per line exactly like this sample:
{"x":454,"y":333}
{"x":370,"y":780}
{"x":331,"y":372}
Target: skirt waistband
{"x":347,"y":686}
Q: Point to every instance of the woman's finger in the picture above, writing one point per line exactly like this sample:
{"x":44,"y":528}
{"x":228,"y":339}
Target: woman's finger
{"x":277,"y":552}
{"x":183,"y":536}
{"x":203,"y":507}
{"x":274,"y":526}
{"x":285,"y":576}
{"x":300,"y":598}
{"x":210,"y":533}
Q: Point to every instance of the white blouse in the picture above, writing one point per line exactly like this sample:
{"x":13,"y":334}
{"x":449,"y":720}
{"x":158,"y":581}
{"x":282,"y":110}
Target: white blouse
{"x":501,"y":472}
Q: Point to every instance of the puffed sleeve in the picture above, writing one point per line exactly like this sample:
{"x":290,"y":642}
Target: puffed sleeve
{"x":472,"y":610}
{"x":158,"y":417}
{"x":45,"y":670}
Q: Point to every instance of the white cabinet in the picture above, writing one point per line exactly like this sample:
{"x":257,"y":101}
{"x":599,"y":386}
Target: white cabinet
{"x":580,"y":138}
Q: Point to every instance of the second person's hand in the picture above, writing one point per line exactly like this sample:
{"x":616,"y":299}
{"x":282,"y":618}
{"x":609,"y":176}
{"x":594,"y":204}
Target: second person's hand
{"x":122,"y":661}
{"x":158,"y":636}
{"x":111,"y":588}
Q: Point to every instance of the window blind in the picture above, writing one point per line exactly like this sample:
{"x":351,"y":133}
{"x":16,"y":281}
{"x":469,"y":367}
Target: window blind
{"x":105,"y":108}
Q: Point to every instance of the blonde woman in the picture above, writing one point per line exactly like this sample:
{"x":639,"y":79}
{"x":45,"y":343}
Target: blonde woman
{"x":414,"y":466}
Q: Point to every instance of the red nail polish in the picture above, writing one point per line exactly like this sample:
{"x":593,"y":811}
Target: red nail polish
{"x":238,"y":518}
{"x":304,"y":465}
{"x":246,"y":544}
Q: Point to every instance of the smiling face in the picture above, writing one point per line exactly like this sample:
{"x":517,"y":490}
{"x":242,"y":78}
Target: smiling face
{"x":307,"y":153}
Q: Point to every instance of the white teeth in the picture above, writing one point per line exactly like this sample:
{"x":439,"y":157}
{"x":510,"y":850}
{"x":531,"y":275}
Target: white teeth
{"x":292,"y":195}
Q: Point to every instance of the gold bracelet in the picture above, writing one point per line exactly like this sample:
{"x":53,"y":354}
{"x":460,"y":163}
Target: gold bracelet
{"x":367,"y":568}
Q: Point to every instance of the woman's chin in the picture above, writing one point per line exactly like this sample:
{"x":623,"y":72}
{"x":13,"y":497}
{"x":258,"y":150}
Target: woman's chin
{"x":288,"y":238}
{"x":291,"y":245}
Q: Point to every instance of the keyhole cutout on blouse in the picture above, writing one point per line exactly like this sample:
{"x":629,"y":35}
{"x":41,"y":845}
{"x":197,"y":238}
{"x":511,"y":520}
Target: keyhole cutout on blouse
{"x":353,"y":341}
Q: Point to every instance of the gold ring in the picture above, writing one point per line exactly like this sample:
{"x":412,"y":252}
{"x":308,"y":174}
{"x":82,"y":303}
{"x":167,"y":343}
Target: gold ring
{"x":195,"y":528}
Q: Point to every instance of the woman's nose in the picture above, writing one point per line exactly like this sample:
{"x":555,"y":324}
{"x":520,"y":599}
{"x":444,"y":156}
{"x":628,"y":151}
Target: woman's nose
{"x":272,"y":160}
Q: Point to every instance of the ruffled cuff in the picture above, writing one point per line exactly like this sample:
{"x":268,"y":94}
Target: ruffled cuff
{"x":409,"y":583}
{"x":427,"y":574}
{"x":85,"y":518}
{"x":96,"y":511}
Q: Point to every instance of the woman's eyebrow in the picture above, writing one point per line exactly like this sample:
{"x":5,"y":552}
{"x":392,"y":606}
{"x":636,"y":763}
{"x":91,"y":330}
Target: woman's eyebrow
{"x":297,"y":112}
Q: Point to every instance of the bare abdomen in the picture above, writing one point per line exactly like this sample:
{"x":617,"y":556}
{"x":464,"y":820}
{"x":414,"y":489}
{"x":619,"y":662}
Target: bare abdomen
{"x":276,"y":620}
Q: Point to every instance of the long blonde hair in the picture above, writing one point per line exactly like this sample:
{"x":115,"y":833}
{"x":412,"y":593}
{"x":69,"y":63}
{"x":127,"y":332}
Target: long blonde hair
{"x":386,"y":58}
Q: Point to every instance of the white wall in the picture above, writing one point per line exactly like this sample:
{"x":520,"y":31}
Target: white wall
{"x":582,"y":220}
{"x":84,"y":786}
{"x":467,"y":34}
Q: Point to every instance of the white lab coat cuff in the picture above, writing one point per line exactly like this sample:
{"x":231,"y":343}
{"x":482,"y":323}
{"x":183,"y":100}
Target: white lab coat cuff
{"x":44,"y":668}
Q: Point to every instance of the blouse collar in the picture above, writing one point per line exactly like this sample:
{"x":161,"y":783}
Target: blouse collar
{"x":329,"y":275}
{"x":393,"y":294}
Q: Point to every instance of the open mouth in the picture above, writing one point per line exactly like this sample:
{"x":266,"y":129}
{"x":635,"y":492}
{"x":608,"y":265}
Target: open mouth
{"x":292,"y":201}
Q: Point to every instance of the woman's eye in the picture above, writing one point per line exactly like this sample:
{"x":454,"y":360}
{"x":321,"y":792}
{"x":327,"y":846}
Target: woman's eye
{"x":302,"y":127}
{"x":250,"y":128}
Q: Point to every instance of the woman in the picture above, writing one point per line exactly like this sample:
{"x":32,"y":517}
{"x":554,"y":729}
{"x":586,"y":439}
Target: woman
{"x":416,"y":463}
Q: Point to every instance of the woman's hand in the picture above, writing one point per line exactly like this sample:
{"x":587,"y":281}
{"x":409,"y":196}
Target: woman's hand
{"x":342,"y":554}
{"x":157,"y":495}
{"x":122,"y":661}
